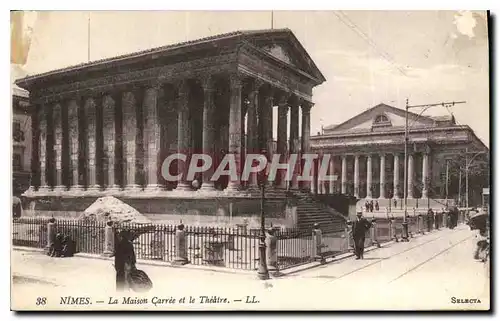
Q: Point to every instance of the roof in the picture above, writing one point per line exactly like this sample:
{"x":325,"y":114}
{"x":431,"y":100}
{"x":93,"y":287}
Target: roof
{"x":244,"y":35}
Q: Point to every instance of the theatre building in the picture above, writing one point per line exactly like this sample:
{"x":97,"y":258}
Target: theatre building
{"x":105,"y":127}
{"x":367,"y":155}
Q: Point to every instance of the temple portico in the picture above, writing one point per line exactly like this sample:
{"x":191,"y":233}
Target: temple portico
{"x":105,"y":127}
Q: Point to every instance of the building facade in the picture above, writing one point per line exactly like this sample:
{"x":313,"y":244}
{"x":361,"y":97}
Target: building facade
{"x":21,"y":141}
{"x":105,"y":127}
{"x":367,"y":156}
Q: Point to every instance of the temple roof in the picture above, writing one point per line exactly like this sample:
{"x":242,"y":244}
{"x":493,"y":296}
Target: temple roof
{"x":248,"y":36}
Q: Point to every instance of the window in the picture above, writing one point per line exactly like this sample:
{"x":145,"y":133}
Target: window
{"x":17,"y":133}
{"x":381,"y":119}
{"x":17,"y":162}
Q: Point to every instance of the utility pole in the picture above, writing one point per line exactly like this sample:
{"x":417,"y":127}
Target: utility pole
{"x":88,"y":38}
{"x":460,"y":186}
{"x":405,"y":237}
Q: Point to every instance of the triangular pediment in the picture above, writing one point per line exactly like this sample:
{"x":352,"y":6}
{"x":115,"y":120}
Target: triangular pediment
{"x":284,"y":46}
{"x":380,"y":117}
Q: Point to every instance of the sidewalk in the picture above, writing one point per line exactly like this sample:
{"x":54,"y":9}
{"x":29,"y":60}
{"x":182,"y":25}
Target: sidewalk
{"x":343,"y":284}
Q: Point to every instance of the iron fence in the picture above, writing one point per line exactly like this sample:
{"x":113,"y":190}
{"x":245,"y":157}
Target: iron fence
{"x":236,"y":248}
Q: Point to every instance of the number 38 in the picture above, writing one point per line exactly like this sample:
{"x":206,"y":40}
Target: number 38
{"x":41,"y":301}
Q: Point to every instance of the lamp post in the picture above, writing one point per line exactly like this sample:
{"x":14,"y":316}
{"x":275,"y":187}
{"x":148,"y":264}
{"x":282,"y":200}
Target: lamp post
{"x":404,"y":237}
{"x":263,"y":273}
{"x":405,"y":189}
{"x":468,"y":163}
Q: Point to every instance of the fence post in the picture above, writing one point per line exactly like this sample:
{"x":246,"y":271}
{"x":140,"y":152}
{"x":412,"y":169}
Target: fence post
{"x":157,"y":245}
{"x":393,"y":229}
{"x":347,"y":236}
{"x":109,"y":240}
{"x":51,"y":234}
{"x":317,"y":237}
{"x":373,"y":232}
{"x":180,"y":246}
{"x":272,"y":252}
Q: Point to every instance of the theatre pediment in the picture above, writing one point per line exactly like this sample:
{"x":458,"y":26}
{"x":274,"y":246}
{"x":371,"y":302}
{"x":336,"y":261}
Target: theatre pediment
{"x":381,"y":117}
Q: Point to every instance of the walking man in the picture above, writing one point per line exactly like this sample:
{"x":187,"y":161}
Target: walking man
{"x":359,"y":228}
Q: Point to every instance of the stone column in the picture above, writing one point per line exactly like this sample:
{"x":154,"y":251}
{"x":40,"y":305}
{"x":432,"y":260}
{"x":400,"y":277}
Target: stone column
{"x":382,"y":177}
{"x":208,"y":131}
{"x":152,"y":138}
{"x":35,"y":146}
{"x":425,"y":175}
{"x":369,"y":176}
{"x":131,"y":104}
{"x":331,"y":183}
{"x":235,"y":128}
{"x":410,"y":175}
{"x":58,"y":146}
{"x":294,"y":141}
{"x":396,"y":176}
{"x":252,"y":128}
{"x":42,"y":116}
{"x":109,"y":107}
{"x":306,"y":133}
{"x":356,"y":176}
{"x":344,"y":175}
{"x":282,"y":135}
{"x":91,"y":164}
{"x":183,"y":143}
{"x":74,"y":143}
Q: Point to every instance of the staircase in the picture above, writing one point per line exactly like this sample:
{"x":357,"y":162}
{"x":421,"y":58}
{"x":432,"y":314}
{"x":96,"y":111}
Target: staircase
{"x":311,"y":211}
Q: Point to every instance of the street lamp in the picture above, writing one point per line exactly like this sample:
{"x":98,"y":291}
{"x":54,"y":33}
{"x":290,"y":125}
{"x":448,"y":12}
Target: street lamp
{"x":467,"y":166}
{"x":405,"y":188}
{"x":263,"y":273}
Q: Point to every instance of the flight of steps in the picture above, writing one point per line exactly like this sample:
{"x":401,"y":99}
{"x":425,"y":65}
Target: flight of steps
{"x":311,"y":211}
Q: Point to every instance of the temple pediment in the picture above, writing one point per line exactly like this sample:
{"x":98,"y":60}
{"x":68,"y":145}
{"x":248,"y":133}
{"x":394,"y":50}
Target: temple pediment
{"x":381,"y":117}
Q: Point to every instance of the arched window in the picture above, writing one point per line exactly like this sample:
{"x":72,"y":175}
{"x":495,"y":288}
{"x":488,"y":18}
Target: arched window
{"x":381,"y":119}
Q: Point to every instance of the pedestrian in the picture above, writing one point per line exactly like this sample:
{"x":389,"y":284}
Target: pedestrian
{"x":376,"y":206}
{"x":124,"y":259}
{"x":371,"y":206}
{"x":359,"y":228}
{"x":430,"y":219}
{"x":367,"y":206}
{"x":395,"y":203}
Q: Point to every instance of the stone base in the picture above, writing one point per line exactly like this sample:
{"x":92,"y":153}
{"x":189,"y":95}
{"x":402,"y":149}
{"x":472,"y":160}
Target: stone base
{"x":76,"y":188}
{"x":107,"y":254}
{"x":180,"y":261}
{"x":194,"y":208}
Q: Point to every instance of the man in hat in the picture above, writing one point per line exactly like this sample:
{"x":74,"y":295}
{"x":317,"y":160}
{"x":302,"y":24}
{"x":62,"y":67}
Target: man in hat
{"x":359,"y":228}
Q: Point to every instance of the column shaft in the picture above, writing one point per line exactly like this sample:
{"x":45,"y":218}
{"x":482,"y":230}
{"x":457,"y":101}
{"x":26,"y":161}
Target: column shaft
{"x":344,"y":175}
{"x":410,"y":176}
{"x":208,"y":132}
{"x":235,"y":129}
{"x":109,"y":127}
{"x":356,"y":176}
{"x":74,"y":144}
{"x":152,"y":138}
{"x":396,"y":176}
{"x":369,"y":176}
{"x":42,"y":116}
{"x":252,"y":129}
{"x":382,"y":177}
{"x":131,"y":102}
{"x":331,"y":183}
{"x":35,"y":147}
{"x":282,"y":137}
{"x":294,"y":142}
{"x":183,"y":134}
{"x":58,"y":146}
{"x":306,"y":132}
{"x":91,"y":164}
{"x":425,"y":175}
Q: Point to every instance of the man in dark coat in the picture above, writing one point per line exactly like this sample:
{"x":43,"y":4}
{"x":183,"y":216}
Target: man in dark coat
{"x":359,"y":228}
{"x":124,"y":259}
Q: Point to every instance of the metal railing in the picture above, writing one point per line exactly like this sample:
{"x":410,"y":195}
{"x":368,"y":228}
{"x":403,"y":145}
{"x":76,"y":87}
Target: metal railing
{"x":235,"y":248}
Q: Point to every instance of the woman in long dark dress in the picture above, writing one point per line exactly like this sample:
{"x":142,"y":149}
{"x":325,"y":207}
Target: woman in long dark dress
{"x":124,"y":259}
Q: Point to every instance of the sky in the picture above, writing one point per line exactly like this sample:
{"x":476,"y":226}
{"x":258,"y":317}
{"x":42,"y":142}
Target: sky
{"x":367,"y":57}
